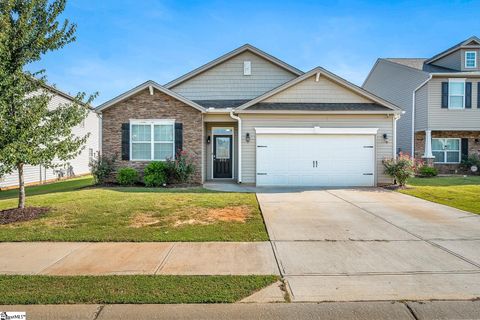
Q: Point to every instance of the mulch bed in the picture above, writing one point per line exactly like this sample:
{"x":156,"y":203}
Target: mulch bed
{"x":18,"y":215}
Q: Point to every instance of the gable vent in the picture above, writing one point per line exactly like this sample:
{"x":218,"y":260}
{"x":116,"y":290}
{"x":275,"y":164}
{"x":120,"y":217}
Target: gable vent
{"x":247,"y":68}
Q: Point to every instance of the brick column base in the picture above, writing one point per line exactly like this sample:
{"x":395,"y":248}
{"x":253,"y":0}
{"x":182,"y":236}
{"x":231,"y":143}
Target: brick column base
{"x":428,"y":161}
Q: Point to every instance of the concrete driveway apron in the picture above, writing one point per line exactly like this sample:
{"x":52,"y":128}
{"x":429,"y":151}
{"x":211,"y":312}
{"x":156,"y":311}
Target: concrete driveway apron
{"x":371,"y":244}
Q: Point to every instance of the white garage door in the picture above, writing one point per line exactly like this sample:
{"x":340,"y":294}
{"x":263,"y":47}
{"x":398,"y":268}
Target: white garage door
{"x":315,"y":160}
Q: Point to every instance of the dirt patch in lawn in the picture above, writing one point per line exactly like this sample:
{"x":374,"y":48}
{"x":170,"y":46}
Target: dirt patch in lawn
{"x":18,"y":215}
{"x":143,"y":220}
{"x":208,"y":216}
{"x":195,"y":216}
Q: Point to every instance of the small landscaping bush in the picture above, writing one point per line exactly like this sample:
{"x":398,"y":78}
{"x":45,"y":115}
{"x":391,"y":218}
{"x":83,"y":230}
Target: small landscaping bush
{"x":182,"y":169}
{"x":127,"y":176}
{"x":101,"y":168}
{"x":155,"y":174}
{"x":467,"y":164}
{"x":426,"y":171}
{"x":400,"y":169}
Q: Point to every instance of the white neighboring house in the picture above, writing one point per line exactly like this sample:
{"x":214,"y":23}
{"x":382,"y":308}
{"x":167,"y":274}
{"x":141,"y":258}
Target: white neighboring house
{"x":75,"y":167}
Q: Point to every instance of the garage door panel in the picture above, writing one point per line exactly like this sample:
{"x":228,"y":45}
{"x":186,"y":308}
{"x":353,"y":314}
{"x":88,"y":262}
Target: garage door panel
{"x":315,"y":160}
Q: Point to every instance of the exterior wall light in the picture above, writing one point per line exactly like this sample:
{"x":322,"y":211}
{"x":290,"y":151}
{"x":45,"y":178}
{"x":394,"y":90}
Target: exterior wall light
{"x":385,"y":137}
{"x":247,"y":137}
{"x":208,"y":140}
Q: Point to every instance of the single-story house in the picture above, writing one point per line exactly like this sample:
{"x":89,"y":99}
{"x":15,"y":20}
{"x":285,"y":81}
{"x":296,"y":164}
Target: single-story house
{"x":64,"y":169}
{"x":252,"y":118}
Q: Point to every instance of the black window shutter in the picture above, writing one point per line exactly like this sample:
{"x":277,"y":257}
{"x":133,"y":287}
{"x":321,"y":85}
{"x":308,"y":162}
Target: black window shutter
{"x":125,"y":141}
{"x":468,"y":95}
{"x":178,"y":137}
{"x":444,"y":94}
{"x":478,"y":95}
{"x":464,"y":148}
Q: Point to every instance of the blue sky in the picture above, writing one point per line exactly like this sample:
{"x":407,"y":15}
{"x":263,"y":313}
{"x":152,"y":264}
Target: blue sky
{"x":122,"y":43}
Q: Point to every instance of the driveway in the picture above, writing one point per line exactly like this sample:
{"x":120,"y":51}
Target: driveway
{"x":372,"y":244}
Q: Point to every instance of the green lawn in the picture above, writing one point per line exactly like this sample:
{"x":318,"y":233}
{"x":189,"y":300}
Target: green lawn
{"x":128,"y":289}
{"x":83,"y":213}
{"x":458,"y":192}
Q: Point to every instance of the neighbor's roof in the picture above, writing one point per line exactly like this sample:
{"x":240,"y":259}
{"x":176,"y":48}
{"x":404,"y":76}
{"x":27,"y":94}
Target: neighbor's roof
{"x":144,"y":86}
{"x":323,"y":72}
{"x":231,"y":54}
{"x":459,"y":45}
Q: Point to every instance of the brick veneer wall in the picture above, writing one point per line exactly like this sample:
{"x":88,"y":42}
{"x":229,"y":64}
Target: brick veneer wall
{"x":473,"y":147}
{"x":156,"y":106}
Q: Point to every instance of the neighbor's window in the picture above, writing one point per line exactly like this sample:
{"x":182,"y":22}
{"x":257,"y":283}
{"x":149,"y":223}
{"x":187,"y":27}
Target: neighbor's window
{"x":446,"y":150}
{"x":470,"y":59}
{"x":456,"y":94}
{"x":152,"y":140}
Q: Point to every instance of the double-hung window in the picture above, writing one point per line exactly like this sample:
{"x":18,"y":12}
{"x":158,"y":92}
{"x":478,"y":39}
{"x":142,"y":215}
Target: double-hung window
{"x":456,"y":94}
{"x":446,"y":150}
{"x":152,"y":140}
{"x":470,"y":59}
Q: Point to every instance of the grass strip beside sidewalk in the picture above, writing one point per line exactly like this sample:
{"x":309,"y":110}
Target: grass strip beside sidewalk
{"x":132,"y":289}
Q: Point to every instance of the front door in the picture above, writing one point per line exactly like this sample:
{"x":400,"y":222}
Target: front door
{"x":222,"y":156}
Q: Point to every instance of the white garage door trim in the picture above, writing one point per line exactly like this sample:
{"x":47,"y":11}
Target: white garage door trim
{"x":299,"y":175}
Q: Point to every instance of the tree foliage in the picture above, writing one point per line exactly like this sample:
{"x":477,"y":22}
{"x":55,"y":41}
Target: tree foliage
{"x":31,"y":133}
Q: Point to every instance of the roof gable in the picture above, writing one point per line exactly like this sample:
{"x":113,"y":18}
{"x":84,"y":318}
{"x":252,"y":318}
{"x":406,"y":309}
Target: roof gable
{"x":151,"y":85}
{"x":472,"y":41}
{"x":319,"y":86}
{"x":232,"y":54}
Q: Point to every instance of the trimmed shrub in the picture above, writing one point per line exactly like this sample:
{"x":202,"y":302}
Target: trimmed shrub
{"x":127,"y":176}
{"x":426,"y":172}
{"x":154,"y":174}
{"x":472,"y":160}
{"x":400,"y":169}
{"x":101,"y":168}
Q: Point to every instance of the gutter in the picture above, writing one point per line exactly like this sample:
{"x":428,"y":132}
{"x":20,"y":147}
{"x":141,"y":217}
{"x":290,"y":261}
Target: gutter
{"x":413,"y":112}
{"x":239,"y":130}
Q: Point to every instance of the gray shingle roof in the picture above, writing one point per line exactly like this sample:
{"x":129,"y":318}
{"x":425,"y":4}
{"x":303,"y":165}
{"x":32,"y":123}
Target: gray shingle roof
{"x":419,"y":64}
{"x":319,"y":106}
{"x":218,"y":104}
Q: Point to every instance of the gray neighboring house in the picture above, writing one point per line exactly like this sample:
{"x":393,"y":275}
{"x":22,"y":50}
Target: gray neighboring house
{"x":252,"y":118}
{"x":64,"y":169}
{"x":441,"y":97}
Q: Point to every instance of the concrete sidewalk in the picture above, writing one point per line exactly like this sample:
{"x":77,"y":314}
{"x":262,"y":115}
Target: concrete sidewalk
{"x":121,"y":258}
{"x":325,"y":311}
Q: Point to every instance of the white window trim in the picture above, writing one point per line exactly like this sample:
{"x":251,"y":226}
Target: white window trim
{"x":232,"y":151}
{"x":475,"y":60}
{"x":152,"y":123}
{"x":445,"y":151}
{"x":456,"y":80}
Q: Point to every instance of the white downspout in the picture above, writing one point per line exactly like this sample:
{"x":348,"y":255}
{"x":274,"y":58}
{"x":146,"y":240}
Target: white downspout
{"x":395,"y":118}
{"x":413,"y":112}
{"x":239,"y":130}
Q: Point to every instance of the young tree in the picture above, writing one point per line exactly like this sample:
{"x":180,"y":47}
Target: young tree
{"x":31,"y":133}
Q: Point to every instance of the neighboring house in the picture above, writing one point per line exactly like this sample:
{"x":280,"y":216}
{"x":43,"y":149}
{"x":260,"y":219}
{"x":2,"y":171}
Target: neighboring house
{"x":250,"y":117}
{"x":74,"y":167}
{"x":441,"y":97}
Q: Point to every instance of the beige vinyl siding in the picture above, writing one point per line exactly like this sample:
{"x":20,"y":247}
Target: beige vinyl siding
{"x":396,"y":83}
{"x":250,"y":122}
{"x":323,"y":91}
{"x":445,"y":119}
{"x":226,"y":80}
{"x":79,"y":164}
{"x":451,"y":61}
{"x":421,"y":108}
{"x":215,"y":117}
{"x":209,"y":148}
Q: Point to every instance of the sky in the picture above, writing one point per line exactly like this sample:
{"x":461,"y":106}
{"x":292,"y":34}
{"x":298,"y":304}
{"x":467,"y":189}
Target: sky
{"x":122,"y":43}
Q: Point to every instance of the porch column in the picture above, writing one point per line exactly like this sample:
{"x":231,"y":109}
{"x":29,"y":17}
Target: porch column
{"x":428,"y":155}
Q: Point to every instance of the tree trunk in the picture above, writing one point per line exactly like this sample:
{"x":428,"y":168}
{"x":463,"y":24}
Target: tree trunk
{"x":21,"y":187}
